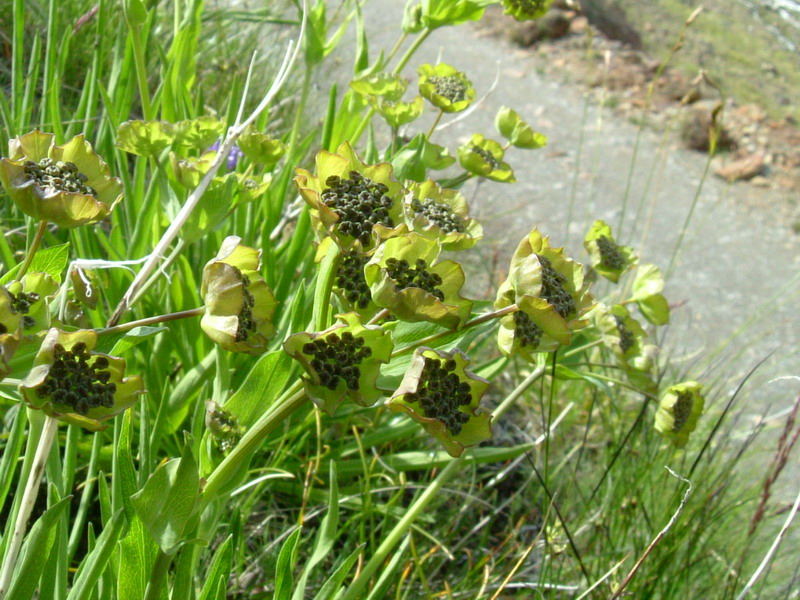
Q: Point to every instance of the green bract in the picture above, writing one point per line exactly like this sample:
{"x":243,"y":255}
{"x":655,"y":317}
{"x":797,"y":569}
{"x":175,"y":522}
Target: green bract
{"x":145,"y":138}
{"x":354,"y":202}
{"x":30,"y":300}
{"x":485,"y":158}
{"x":405,"y":278}
{"x":68,"y":185}
{"x":10,"y":320}
{"x":625,"y":337}
{"x":439,"y":393}
{"x":198,"y":133}
{"x":526,"y":10}
{"x":73,"y":384}
{"x":260,"y":148}
{"x":647,"y":287}
{"x":397,"y":113}
{"x":342,"y":363}
{"x":238,"y":303}
{"x":413,"y":160}
{"x":438,"y":13}
{"x":349,"y":283}
{"x":535,"y":327}
{"x":512,"y":127}
{"x":608,"y":259}
{"x":445,"y":87}
{"x":384,"y":85}
{"x":441,"y":214}
{"x":678,"y":412}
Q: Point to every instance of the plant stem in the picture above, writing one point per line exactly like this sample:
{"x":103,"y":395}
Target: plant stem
{"x":32,"y":250}
{"x":411,"y":50}
{"x":184,"y":314}
{"x":158,"y":575}
{"x":435,"y":123}
{"x":28,"y":499}
{"x":290,"y":401}
{"x":517,"y":392}
{"x":473,"y":323}
{"x":355,"y":590}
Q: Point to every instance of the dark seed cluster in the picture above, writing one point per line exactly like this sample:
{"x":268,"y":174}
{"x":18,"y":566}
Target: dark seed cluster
{"x":610,"y":254}
{"x":553,"y":288}
{"x":360,"y":204}
{"x":350,"y":279}
{"x":406,"y":276}
{"x":682,"y":410}
{"x":451,"y":87}
{"x":531,"y":7}
{"x":338,"y":358}
{"x":626,"y":337}
{"x":59,"y":176}
{"x":247,"y":324}
{"x":526,"y":332}
{"x":485,"y":155}
{"x":440,"y":214}
{"x":440,"y":392}
{"x":71,"y":380}
{"x":21,"y":303}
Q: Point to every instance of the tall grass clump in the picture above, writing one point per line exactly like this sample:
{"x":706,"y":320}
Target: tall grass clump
{"x":236,"y":362}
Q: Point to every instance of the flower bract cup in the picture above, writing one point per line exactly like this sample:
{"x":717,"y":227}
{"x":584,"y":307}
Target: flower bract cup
{"x":77,"y":386}
{"x":484,"y":157}
{"x":404,"y":277}
{"x":679,"y":410}
{"x":353,"y":202}
{"x":30,"y":296}
{"x":444,"y":86}
{"x":514,"y":128}
{"x":608,"y":258}
{"x":343,"y":362}
{"x":442,"y":214}
{"x":439,"y":393}
{"x":68,"y":185}
{"x":10,"y":321}
{"x":626,"y":338}
{"x":534,"y":328}
{"x":238,"y":302}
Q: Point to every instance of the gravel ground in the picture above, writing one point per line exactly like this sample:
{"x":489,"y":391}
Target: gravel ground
{"x":736,"y":284}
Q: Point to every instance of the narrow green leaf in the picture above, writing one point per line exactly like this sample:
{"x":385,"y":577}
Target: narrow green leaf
{"x":264,"y":384}
{"x":286,"y":561}
{"x":218,"y":573}
{"x":331,"y":588}
{"x":94,"y":563}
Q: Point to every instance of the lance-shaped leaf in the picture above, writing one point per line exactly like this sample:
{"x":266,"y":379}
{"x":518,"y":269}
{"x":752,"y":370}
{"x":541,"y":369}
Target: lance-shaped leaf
{"x":405,"y":278}
{"x":512,"y":127}
{"x":68,"y":185}
{"x":444,"y":86}
{"x":439,"y":393}
{"x":356,"y":203}
{"x":73,"y":384}
{"x":608,"y":258}
{"x":485,"y":158}
{"x":145,"y":138}
{"x":441,"y":214}
{"x":342,"y":363}
{"x":679,"y":410}
{"x":238,"y":303}
{"x":526,"y":10}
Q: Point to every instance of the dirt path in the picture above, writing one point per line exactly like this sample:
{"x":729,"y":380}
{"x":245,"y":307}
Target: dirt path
{"x":738,"y":271}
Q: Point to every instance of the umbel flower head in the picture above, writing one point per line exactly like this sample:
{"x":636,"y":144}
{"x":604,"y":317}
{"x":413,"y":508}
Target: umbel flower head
{"x":68,"y":185}
{"x":29,"y":300}
{"x":238,"y":303}
{"x":354,"y":202}
{"x":10,"y":320}
{"x":534,"y":328}
{"x":526,"y":10}
{"x":678,"y":412}
{"x":608,"y":258}
{"x":624,"y":336}
{"x":404,"y":277}
{"x":442,"y":214}
{"x":444,"y":86}
{"x":439,"y":393}
{"x":485,"y":158}
{"x":342,"y":362}
{"x":73,"y":384}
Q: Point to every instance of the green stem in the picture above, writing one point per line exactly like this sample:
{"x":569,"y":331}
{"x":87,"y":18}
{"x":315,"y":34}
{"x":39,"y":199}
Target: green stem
{"x":184,"y":314}
{"x":32,"y":250}
{"x":435,"y":123}
{"x":290,"y":401}
{"x":473,"y":323}
{"x":517,"y":392}
{"x":396,"y":47}
{"x":411,"y":50}
{"x":26,"y":505}
{"x":141,"y":72}
{"x":158,"y":576}
{"x":356,"y":589}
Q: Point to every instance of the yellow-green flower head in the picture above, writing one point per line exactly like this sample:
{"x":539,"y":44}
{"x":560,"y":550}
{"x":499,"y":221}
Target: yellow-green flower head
{"x":252,"y":187}
{"x":342,"y":363}
{"x":30,"y":301}
{"x":534,"y":328}
{"x":404,"y":277}
{"x":260,"y":148}
{"x":73,"y":384}
{"x":352,"y":201}
{"x":223,"y":426}
{"x":68,"y":185}
{"x":439,"y":393}
{"x":608,"y":258}
{"x":189,"y":171}
{"x":485,"y":158}
{"x":349,"y":283}
{"x":621,"y":332}
{"x":444,"y":86}
{"x":10,"y":322}
{"x":238,"y":303}
{"x":441,"y":214}
{"x":540,"y":271}
{"x":526,"y":10}
{"x":678,"y":412}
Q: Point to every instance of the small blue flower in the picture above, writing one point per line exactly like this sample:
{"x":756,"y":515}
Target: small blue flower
{"x":233,"y":157}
